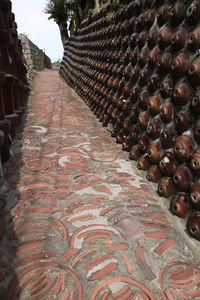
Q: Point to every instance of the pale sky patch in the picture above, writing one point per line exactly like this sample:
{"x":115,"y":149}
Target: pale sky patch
{"x":32,"y":21}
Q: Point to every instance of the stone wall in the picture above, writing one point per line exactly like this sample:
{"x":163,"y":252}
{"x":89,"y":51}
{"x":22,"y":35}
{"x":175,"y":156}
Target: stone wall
{"x":36,"y":59}
{"x":137,"y":66}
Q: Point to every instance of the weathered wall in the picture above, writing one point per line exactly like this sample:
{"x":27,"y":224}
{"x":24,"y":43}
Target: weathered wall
{"x":36,"y":59}
{"x":138,"y":68}
{"x":13,"y":82}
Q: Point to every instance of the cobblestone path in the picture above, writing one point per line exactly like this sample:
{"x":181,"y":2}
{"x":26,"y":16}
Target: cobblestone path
{"x":79,"y":220}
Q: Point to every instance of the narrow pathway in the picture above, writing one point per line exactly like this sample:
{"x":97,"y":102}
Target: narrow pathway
{"x":79,"y":220}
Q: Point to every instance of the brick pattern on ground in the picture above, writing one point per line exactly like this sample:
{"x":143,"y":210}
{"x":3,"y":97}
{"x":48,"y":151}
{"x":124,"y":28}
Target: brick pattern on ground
{"x":79,"y":221}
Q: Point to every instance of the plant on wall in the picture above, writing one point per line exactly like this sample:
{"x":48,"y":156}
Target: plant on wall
{"x":65,"y":11}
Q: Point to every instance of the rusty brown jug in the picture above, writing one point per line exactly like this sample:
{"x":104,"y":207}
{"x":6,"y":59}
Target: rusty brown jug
{"x":152,"y":38}
{"x":177,"y":13}
{"x":153,"y":58}
{"x":194,"y":72}
{"x":195,"y":103}
{"x":135,"y":152}
{"x":135,"y":133}
{"x":193,"y":225}
{"x":128,"y":143}
{"x":121,"y":136}
{"x":154,"y":128}
{"x":154,"y":105}
{"x":127,"y":124}
{"x":182,"y":93}
{"x":182,"y":178}
{"x":135,"y":93}
{"x":166,"y":112}
{"x":164,"y":37}
{"x":150,"y":18}
{"x":183,"y":148}
{"x":141,"y":39}
{"x":179,"y":38}
{"x":143,"y":163}
{"x":154,"y":174}
{"x":168,"y":163}
{"x":143,"y":119}
{"x":180,"y":205}
{"x":168,"y":137}
{"x":162,"y":15}
{"x":183,"y":121}
{"x":195,"y":162}
{"x":155,"y":152}
{"x":180,"y":65}
{"x":194,"y":39}
{"x":143,"y":143}
{"x":195,"y":194}
{"x":143,"y":99}
{"x":142,"y":58}
{"x":135,"y":73}
{"x":166,"y":187}
{"x":193,"y":12}
{"x":154,"y":82}
{"x":144,"y":76}
{"x":166,"y":87}
{"x":133,"y":40}
{"x":134,"y":113}
{"x":197,"y":132}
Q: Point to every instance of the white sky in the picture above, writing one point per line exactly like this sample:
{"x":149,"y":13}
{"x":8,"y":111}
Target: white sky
{"x":32,"y":21}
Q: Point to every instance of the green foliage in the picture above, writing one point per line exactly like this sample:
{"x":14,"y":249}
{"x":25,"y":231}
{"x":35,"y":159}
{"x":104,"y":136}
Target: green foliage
{"x":58,"y":10}
{"x":146,"y":12}
{"x":91,"y":12}
{"x":110,"y":16}
{"x":116,"y":4}
{"x":57,"y":63}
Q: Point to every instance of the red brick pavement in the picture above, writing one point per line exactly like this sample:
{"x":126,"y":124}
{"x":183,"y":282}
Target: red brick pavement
{"x":79,"y":220}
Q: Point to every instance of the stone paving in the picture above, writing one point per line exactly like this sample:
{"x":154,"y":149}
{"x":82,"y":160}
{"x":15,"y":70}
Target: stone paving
{"x":79,"y":220}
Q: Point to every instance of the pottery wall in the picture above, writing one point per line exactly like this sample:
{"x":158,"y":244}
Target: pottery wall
{"x":13,"y":83}
{"x":138,"y":69}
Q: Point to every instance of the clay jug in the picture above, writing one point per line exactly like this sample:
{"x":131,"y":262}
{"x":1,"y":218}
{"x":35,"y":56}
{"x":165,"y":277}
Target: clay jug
{"x":179,"y":38}
{"x":183,"y":148}
{"x":183,"y":121}
{"x":180,"y":205}
{"x":182,"y":178}
{"x":195,"y":194}
{"x":154,"y":105}
{"x":166,"y":187}
{"x":143,"y":163}
{"x":182,"y":93}
{"x":154,"y":174}
{"x":195,"y":162}
{"x":166,"y":87}
{"x":193,"y":225}
{"x":194,"y":39}
{"x":193,"y":12}
{"x":135,"y":152}
{"x":168,"y":137}
{"x":177,"y":13}
{"x":155,"y":152}
{"x":168,"y":163}
{"x":180,"y":65}
{"x":154,"y":128}
{"x":143,"y":143}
